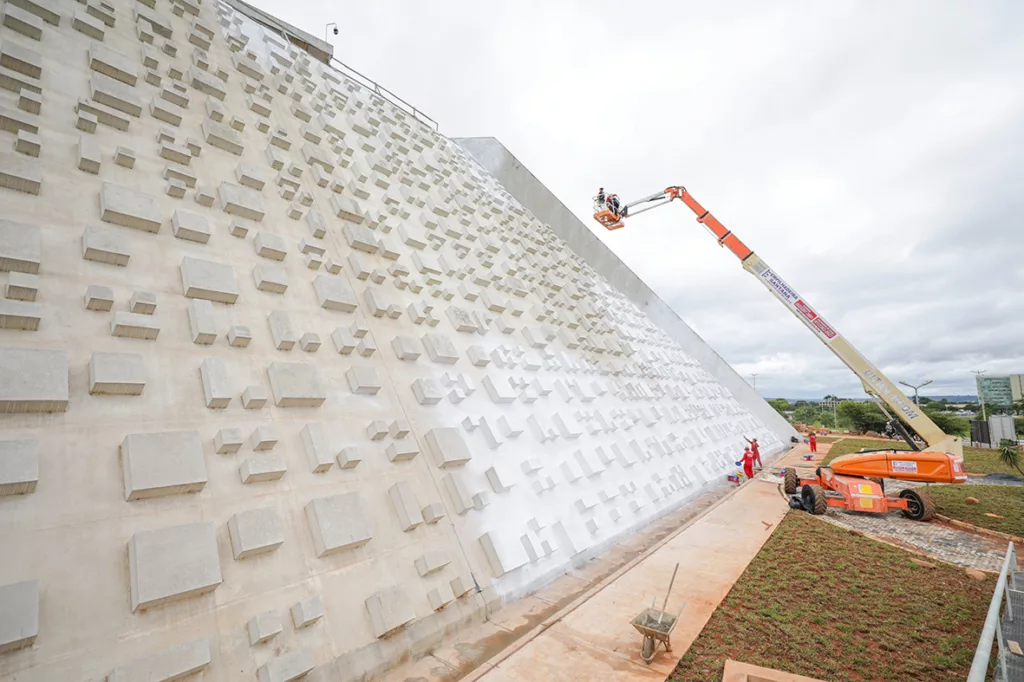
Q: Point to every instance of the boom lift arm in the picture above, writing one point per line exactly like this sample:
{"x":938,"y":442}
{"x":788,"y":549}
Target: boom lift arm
{"x":876,"y":384}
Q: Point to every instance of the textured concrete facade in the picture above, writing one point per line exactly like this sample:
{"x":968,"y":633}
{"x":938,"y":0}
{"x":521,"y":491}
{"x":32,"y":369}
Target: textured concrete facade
{"x":288,"y":383}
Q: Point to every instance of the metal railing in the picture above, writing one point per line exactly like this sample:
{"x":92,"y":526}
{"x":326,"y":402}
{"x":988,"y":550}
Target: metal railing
{"x":382,"y":92}
{"x":994,"y":621}
{"x":359,"y":79}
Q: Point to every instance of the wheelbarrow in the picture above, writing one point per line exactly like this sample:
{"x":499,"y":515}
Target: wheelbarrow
{"x":656,"y":625}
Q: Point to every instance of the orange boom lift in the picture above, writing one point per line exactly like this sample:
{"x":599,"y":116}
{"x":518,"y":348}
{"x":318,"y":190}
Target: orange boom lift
{"x":856,"y":481}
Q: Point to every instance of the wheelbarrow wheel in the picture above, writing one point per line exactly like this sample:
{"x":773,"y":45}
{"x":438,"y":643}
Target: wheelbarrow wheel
{"x":647,"y":652}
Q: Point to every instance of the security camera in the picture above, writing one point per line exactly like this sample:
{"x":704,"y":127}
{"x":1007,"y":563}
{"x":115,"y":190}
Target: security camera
{"x":335,"y":30}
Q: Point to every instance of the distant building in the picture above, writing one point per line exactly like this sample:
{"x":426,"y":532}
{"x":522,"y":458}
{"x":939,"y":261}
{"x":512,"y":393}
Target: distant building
{"x":1001,"y":390}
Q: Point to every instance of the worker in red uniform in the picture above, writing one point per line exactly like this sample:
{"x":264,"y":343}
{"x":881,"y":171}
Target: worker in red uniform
{"x":755,"y":449}
{"x":748,"y":462}
{"x":813,"y":440}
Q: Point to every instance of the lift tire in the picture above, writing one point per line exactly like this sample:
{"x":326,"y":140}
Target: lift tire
{"x":791,"y":481}
{"x":813,"y":497}
{"x":920,"y":506}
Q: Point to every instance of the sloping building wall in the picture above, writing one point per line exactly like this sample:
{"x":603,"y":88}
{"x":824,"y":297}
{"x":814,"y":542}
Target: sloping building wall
{"x":287,"y":382}
{"x":538,"y":199}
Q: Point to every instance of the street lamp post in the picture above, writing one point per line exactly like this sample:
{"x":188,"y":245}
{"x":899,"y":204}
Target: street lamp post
{"x":917,"y":401}
{"x":981,"y":394}
{"x":753,"y":378}
{"x":327,"y":31}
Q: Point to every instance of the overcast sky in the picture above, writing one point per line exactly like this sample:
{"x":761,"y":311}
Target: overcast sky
{"x":871,"y":152}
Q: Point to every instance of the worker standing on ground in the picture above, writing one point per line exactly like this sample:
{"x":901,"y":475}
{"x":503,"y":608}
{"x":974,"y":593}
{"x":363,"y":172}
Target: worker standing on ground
{"x":813,"y":440}
{"x":748,"y":462}
{"x":755,"y":449}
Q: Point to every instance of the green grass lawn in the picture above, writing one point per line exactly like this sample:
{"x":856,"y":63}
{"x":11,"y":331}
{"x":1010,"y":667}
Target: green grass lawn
{"x":976,"y":460}
{"x":821,"y":601}
{"x":828,"y":439}
{"x":983,"y":461}
{"x":1006,"y":501}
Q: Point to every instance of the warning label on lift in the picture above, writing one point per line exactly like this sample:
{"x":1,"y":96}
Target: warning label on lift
{"x":793,"y":300}
{"x":904,"y":467}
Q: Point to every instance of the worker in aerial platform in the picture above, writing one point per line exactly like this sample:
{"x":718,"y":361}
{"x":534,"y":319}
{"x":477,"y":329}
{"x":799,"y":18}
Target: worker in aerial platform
{"x":600,"y":199}
{"x":755,"y":449}
{"x":613,"y":203}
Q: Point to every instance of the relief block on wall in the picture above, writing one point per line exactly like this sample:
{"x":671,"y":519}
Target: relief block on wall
{"x":167,"y":463}
{"x":263,"y":627}
{"x":447,"y":447}
{"x":208,"y":280}
{"x":288,"y":667}
{"x":296,"y":384}
{"x":33,"y":380}
{"x":316,"y":443}
{"x":389,"y":610}
{"x":333,"y":293}
{"x":363,"y":379}
{"x":20,"y":247}
{"x":338,"y":522}
{"x":262,"y":468}
{"x":116,"y":374}
{"x":172,"y":563}
{"x":306,"y":612}
{"x":255,"y":531}
{"x":214,"y":377}
{"x":19,"y":468}
{"x":169,"y":664}
{"x":128,"y":208}
{"x":104,"y":246}
{"x":19,"y":615}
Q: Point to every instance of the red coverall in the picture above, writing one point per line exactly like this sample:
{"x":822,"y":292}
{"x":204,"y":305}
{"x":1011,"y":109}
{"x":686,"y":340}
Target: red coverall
{"x":755,"y":449}
{"x":814,"y":442}
{"x":748,"y":463}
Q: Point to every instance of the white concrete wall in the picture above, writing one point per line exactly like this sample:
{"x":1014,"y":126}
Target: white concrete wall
{"x":526,"y":188}
{"x":152,"y":581}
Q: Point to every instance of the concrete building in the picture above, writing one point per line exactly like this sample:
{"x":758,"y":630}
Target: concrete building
{"x":289,"y":382}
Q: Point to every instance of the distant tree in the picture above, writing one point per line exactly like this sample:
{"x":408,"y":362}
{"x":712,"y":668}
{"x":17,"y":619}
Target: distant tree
{"x":950,"y":423}
{"x":802,"y":403}
{"x":925,"y":401}
{"x":1018,"y":407}
{"x":862,"y":417}
{"x":831,"y":397}
{"x":806,"y":415}
{"x":781,"y":406}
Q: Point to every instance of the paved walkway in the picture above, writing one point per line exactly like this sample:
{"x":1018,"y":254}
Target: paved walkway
{"x":595,"y":641}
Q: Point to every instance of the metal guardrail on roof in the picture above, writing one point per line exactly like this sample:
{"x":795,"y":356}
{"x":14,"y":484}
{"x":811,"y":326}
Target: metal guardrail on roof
{"x":1006,"y":590}
{"x":382,"y":92}
{"x":300,"y":38}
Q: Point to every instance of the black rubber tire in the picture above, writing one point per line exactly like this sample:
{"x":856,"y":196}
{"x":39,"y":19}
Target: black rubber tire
{"x":649,"y":647}
{"x":813,"y":497}
{"x":791,"y":481}
{"x":920,"y":506}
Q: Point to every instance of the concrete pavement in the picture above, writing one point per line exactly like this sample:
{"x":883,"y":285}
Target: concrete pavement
{"x":595,"y":641}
